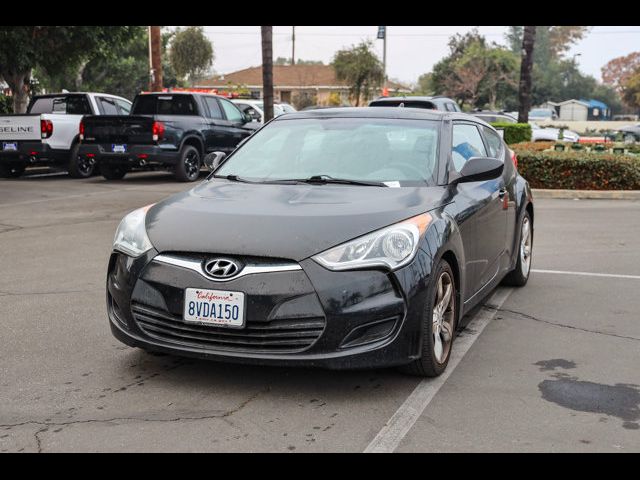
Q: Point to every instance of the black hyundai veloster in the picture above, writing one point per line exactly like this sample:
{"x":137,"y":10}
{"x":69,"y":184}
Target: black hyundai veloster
{"x":338,"y":238}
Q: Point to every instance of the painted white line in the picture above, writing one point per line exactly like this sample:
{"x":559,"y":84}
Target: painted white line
{"x":388,"y":439}
{"x":587,"y":274}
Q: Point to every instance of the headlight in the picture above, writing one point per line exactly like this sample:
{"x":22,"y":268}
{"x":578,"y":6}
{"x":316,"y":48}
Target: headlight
{"x":131,"y":236}
{"x":391,"y":247}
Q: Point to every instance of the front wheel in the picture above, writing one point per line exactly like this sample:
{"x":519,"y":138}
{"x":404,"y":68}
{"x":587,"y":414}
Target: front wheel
{"x":519,"y":276}
{"x":439,"y":324}
{"x":113,"y":172}
{"x":79,"y":165}
{"x":11,"y":171}
{"x":188,"y":167}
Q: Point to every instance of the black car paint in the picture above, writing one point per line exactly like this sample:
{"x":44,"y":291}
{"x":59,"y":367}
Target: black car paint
{"x":135,"y":131}
{"x":472,"y":227}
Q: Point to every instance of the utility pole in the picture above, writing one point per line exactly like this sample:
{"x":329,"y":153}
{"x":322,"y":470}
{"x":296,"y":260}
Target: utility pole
{"x":293,"y":48}
{"x":382,"y":34}
{"x":267,"y":71}
{"x":155,"y":59}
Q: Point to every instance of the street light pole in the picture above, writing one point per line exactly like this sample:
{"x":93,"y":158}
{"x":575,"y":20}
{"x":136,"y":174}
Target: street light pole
{"x":293,"y":47}
{"x":155,"y":59}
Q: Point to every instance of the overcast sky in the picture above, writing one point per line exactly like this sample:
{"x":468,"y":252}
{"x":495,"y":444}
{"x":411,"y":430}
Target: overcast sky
{"x":411,"y":51}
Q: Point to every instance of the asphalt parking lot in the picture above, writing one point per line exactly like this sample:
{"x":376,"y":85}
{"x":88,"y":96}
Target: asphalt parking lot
{"x":553,"y":366}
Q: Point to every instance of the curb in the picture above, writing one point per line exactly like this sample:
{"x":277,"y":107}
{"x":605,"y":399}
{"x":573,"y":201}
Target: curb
{"x":587,"y":194}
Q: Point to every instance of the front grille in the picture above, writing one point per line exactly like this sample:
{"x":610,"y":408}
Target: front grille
{"x":275,"y":336}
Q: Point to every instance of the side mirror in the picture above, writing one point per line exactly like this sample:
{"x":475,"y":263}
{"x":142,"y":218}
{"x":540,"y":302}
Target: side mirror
{"x":479,"y":169}
{"x":214,"y":160}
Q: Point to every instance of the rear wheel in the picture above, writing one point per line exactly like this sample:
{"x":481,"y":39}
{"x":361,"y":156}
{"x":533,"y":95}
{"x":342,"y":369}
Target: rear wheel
{"x":519,"y":276}
{"x":11,"y":171}
{"x":113,"y":172}
{"x":79,"y":165}
{"x":188,"y":167}
{"x":439,"y":324}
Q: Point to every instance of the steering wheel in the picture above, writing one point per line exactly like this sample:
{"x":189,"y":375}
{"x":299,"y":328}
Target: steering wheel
{"x":412,"y":170}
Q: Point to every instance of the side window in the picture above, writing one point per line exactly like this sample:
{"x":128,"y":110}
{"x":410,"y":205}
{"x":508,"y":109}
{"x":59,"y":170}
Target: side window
{"x":494,"y":142}
{"x":466,"y":143}
{"x":108,"y":106}
{"x":214,"y":108}
{"x":450,"y":107}
{"x":124,"y":107}
{"x":231,"y":111}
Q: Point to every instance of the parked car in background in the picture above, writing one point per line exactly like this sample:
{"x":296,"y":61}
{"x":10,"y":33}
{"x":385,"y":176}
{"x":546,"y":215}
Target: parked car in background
{"x":543,"y":114}
{"x":48,"y":134}
{"x":170,"y":131}
{"x":631,"y":133}
{"x":491,"y":116}
{"x":431,"y":103}
{"x":287,"y":108}
{"x":384,"y":229}
{"x":550,"y":134}
{"x":255,"y":109}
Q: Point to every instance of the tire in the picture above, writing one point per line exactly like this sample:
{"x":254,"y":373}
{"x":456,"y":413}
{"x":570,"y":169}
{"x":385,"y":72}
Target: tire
{"x":113,"y":172}
{"x":519,"y":276}
{"x":630,"y":138}
{"x":188,"y":167}
{"x":79,"y":167}
{"x":11,"y":171}
{"x":443,"y":314}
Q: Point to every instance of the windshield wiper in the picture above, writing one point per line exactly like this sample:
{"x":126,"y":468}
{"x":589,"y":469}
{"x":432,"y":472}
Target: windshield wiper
{"x":326,"y":179}
{"x":234,"y":178}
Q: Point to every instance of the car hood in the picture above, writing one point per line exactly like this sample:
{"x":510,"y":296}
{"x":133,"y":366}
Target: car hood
{"x":279,"y":221}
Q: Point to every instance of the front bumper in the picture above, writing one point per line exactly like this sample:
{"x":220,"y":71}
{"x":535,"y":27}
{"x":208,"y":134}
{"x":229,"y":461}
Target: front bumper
{"x":137,"y":156}
{"x":306,"y":317}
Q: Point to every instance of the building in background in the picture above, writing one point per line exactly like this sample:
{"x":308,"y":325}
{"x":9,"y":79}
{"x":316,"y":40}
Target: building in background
{"x":299,"y":85}
{"x":580,"y":110}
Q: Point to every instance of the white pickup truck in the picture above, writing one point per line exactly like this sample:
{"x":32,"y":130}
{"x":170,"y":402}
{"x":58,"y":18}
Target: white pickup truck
{"x":48,"y":133}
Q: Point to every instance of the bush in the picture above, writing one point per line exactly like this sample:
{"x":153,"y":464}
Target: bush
{"x":6,"y":104}
{"x":532,"y":146}
{"x":514,"y":132}
{"x":579,"y":170}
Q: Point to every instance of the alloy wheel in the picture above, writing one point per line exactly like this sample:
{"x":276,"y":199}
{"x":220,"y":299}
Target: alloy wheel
{"x":443,"y":317}
{"x":192,"y":164}
{"x":525,"y":246}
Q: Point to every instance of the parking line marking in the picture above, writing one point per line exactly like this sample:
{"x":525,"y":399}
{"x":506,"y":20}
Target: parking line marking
{"x":588,"y":274}
{"x":397,"y":427}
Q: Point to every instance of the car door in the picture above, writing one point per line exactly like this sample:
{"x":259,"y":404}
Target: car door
{"x":234,"y":125}
{"x":498,"y":149}
{"x":215,"y":131}
{"x":486,"y":207}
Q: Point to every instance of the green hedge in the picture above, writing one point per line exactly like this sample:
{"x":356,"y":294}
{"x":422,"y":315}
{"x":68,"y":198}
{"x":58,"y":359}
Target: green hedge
{"x":579,"y":170}
{"x":514,"y":132}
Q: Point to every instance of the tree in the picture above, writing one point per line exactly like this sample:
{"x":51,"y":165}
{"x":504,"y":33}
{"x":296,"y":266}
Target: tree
{"x":631,"y":90}
{"x":53,"y":49}
{"x":524,"y":91}
{"x":475,"y":73}
{"x":617,"y":72}
{"x":267,"y":71}
{"x":360,"y":68}
{"x":191,"y":53}
{"x":425,"y":84}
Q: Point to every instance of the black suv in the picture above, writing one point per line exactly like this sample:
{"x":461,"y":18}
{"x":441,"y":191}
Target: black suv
{"x":171,"y":131}
{"x":431,"y":103}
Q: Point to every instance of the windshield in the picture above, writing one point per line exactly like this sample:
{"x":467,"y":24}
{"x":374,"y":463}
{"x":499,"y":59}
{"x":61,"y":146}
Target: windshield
{"x":359,"y":149}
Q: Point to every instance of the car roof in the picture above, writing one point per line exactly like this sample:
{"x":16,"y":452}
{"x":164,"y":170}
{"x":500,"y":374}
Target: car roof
{"x":382,"y":112}
{"x":412,"y":98}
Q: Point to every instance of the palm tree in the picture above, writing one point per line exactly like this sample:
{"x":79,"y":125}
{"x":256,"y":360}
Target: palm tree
{"x":524,"y":93}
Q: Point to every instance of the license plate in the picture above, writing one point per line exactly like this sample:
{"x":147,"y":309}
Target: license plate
{"x":11,"y":147}
{"x":119,"y":148}
{"x":214,"y":307}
